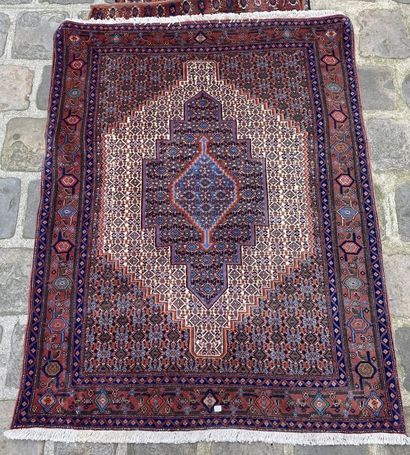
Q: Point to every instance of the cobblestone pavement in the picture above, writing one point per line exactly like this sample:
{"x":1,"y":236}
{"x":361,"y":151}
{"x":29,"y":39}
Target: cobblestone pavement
{"x":26,"y":30}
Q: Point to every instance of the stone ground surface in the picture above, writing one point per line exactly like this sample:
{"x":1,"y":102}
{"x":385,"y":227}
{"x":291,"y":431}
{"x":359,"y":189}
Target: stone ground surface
{"x":26,"y":30}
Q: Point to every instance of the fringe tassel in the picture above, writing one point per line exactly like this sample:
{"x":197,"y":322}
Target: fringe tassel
{"x":181,"y":437}
{"x":213,"y":17}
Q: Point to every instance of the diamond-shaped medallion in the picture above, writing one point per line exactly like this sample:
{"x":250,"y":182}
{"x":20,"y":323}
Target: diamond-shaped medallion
{"x":209,"y":400}
{"x":102,"y":400}
{"x":200,"y":38}
{"x":374,"y":403}
{"x":205,"y":192}
{"x":47,"y":400}
{"x":320,"y":404}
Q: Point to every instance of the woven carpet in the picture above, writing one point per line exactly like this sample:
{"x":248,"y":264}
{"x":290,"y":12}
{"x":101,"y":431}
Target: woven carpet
{"x":207,"y":262}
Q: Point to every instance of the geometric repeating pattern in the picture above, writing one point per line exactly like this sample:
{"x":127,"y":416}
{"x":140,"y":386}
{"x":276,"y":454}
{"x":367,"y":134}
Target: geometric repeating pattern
{"x":281,"y":145}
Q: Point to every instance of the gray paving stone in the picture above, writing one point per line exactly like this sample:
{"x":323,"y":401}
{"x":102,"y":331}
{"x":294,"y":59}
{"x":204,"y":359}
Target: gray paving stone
{"x":403,"y":1}
{"x":24,"y":144}
{"x":33,"y":200}
{"x":402,"y":338}
{"x":331,"y":450}
{"x":234,"y":448}
{"x":383,"y":33}
{"x":377,"y":88}
{"x":406,"y":89}
{"x":14,"y":447}
{"x":390,"y":144}
{"x":4,"y":29}
{"x":15,"y":361}
{"x":407,"y":417}
{"x":161,"y":449}
{"x":44,"y":88}
{"x":14,"y":2}
{"x":402,"y":200}
{"x":15,"y":270}
{"x":9,"y":205}
{"x":381,"y":216}
{"x":33,"y":38}
{"x":397,"y":271}
{"x":392,"y":450}
{"x":83,"y":14}
{"x":61,"y":448}
{"x":15,"y":87}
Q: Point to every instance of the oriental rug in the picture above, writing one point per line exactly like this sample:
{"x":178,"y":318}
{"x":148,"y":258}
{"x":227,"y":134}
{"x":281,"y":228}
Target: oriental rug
{"x":207,"y":262}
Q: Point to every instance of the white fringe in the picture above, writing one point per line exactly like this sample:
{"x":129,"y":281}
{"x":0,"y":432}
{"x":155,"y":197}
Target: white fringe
{"x":212,"y":17}
{"x":181,"y":437}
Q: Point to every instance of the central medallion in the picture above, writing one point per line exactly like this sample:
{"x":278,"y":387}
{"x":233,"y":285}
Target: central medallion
{"x":204,"y":194}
